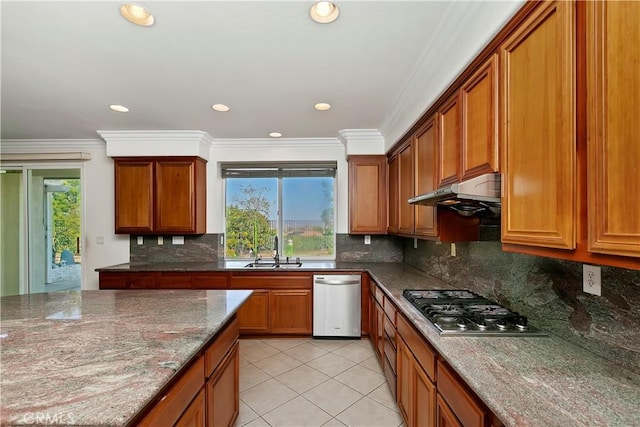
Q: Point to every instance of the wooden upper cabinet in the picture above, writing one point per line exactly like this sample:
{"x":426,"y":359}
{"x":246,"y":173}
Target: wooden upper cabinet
{"x":479,"y":103}
{"x":180,"y":200}
{"x":134,"y":196}
{"x":160,"y":195}
{"x":613,"y":112}
{"x":426,"y":152}
{"x":393,"y":192}
{"x":367,"y":194}
{"x":538,"y":129}
{"x":406,"y":183}
{"x":449,"y":141}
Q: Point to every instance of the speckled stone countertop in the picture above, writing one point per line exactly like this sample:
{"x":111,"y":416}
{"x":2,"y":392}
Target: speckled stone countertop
{"x":525,"y":381}
{"x":98,"y":357}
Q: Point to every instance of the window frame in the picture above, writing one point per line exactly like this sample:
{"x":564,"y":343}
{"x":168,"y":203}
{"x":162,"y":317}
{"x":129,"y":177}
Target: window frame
{"x":259,"y":173}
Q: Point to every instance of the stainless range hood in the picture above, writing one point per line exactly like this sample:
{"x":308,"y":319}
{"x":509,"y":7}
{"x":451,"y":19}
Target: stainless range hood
{"x":484,"y":188}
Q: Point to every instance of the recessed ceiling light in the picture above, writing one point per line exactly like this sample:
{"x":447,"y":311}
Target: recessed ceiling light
{"x":322,"y":106}
{"x":119,"y":108}
{"x":324,"y":12}
{"x":137,"y":14}
{"x":275,"y":134}
{"x":220,"y":107}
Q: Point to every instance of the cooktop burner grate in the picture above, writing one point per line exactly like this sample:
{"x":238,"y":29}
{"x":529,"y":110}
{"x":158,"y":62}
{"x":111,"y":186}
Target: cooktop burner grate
{"x":463,"y":312}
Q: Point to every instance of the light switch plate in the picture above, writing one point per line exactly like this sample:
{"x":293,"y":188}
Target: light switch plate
{"x":367,"y":240}
{"x":160,"y":241}
{"x":591,"y":283}
{"x":177,"y":240}
{"x":140,"y":240}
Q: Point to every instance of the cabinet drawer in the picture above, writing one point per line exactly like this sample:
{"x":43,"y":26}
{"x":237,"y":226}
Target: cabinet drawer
{"x":390,"y":375}
{"x":173,"y":403}
{"x":391,"y":355}
{"x":423,"y":354}
{"x":174,"y":281}
{"x":390,"y":332}
{"x":390,"y":311}
{"x":113,"y":281}
{"x":463,"y":404}
{"x":223,"y":342}
{"x":209,"y":281}
{"x":379,"y":296}
{"x":143,"y":281}
{"x":271,"y":281}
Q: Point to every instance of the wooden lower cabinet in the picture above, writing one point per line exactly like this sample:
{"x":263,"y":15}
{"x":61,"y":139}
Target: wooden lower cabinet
{"x":254,"y":313}
{"x":416,"y":392}
{"x":193,"y":416}
{"x":465,"y":407}
{"x":445,"y":416}
{"x":290,"y":311}
{"x":223,"y":404}
{"x":278,"y":312}
{"x":207,"y":392}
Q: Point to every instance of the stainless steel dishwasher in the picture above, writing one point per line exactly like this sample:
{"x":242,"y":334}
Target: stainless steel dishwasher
{"x":336,"y":306}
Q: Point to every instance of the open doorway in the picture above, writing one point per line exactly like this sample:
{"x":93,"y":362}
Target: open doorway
{"x":40,"y":217}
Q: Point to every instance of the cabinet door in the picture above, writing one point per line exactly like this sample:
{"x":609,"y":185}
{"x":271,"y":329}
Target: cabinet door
{"x":405,"y":390}
{"x":394,"y":195}
{"x":426,"y":153}
{"x":444,"y":415}
{"x":223,"y":401}
{"x":613,"y":112}
{"x":133,"y":196}
{"x":253,"y":316}
{"x":193,"y":416}
{"x":424,"y":396}
{"x":406,"y":182}
{"x":449,"y":142}
{"x":538,"y":129}
{"x":290,"y":311}
{"x":479,"y":101}
{"x":175,"y":196}
{"x":367,"y":194}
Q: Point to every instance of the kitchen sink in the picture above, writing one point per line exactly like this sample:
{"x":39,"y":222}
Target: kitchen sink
{"x":269,"y":265}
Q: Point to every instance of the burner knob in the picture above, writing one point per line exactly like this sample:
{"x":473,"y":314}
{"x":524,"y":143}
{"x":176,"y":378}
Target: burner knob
{"x":521,"y":322}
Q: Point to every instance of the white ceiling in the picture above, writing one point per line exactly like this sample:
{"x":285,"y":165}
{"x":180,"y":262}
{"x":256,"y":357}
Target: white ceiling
{"x":379,"y":65}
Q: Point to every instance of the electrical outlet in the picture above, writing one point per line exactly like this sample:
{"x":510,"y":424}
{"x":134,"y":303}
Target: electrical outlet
{"x":222,"y":239}
{"x":160,"y":241}
{"x":591,"y":279}
{"x":177,"y":240}
{"x":140,"y":240}
{"x":367,"y":240}
{"x":415,"y":243}
{"x":453,"y":249}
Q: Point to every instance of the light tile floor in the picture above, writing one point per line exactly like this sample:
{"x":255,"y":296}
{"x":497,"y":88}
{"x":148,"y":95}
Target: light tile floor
{"x":306,"y":382}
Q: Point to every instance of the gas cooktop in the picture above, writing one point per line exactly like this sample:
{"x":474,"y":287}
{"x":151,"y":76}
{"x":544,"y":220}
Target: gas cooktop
{"x":462,"y":312}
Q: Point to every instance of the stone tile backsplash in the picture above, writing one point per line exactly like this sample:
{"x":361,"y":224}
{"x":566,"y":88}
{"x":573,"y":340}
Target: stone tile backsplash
{"x":351,"y":248}
{"x":201,"y":248}
{"x":548,"y":291}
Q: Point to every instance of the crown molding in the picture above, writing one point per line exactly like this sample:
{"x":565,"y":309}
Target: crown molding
{"x":37,"y":146}
{"x":274,"y":143}
{"x":362,"y":141}
{"x":157,"y":143}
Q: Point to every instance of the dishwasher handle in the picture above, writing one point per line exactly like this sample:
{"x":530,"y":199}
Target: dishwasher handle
{"x":323,"y":281}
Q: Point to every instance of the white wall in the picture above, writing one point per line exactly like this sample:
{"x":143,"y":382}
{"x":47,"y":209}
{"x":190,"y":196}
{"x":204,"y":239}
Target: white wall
{"x":259,"y":150}
{"x":97,"y":195}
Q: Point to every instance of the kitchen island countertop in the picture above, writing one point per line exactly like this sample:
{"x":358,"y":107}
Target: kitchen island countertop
{"x":525,"y":381}
{"x":98,"y":357}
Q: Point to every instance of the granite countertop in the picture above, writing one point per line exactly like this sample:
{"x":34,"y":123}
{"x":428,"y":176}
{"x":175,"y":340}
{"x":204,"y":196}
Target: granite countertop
{"x":98,"y":357}
{"x":525,"y":381}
